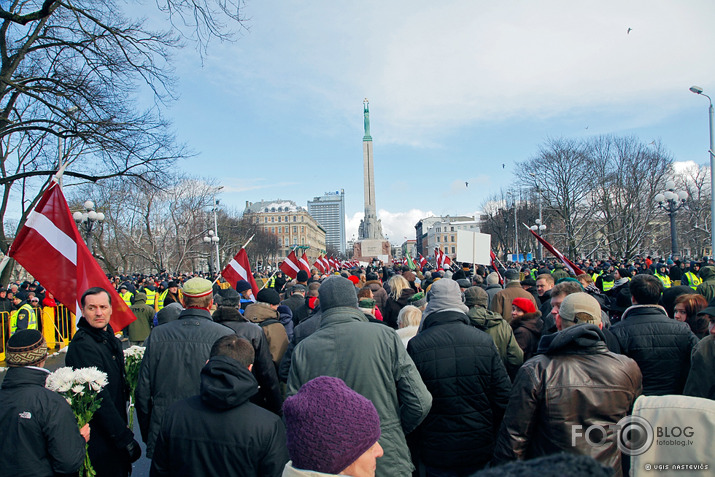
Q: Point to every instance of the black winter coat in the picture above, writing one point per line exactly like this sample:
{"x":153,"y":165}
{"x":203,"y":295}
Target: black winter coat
{"x":219,"y":432}
{"x":660,"y":345}
{"x":393,"y":307}
{"x":110,"y":434}
{"x":39,"y":434}
{"x":461,"y":367}
{"x":269,"y":395}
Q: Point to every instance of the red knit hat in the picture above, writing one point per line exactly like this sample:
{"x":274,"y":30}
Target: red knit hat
{"x":524,"y":304}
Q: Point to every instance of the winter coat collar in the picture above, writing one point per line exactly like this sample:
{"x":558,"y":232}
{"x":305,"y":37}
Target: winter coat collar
{"x":444,"y":317}
{"x":483,"y":318}
{"x":96,"y":333}
{"x":24,"y":376}
{"x":226,"y":384}
{"x":584,"y":338}
{"x":636,"y":310}
{"x":260,"y":312}
{"x":195,"y":313}
{"x":227,"y":313}
{"x":341,"y":314}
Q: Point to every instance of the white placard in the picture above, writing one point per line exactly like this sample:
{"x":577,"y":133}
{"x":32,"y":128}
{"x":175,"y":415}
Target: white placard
{"x":473,"y":247}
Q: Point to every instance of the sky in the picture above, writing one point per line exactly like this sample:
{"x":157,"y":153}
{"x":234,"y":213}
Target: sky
{"x":459,"y":91}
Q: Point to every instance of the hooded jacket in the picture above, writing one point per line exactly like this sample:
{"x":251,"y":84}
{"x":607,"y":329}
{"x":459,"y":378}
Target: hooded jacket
{"x":171,"y":368}
{"x":371,"y":359}
{"x":527,"y":332}
{"x":140,"y":328}
{"x":220,"y":432}
{"x":707,"y":287}
{"x":379,"y":294}
{"x":495,"y":326}
{"x":575,"y":382}
{"x":660,"y":345}
{"x":269,"y":320}
{"x":470,"y":387}
{"x":39,"y":436}
{"x":269,"y":395}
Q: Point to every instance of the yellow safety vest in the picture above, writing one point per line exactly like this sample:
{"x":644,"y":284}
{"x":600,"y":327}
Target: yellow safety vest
{"x":31,"y":318}
{"x":162,"y":297}
{"x":271,"y":282}
{"x":665,"y":279}
{"x":150,"y":296}
{"x":127,"y":297}
{"x":607,"y":285}
{"x":693,"y":280}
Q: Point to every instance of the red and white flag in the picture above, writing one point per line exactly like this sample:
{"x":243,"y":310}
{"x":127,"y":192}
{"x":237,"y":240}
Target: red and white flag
{"x":326,"y":264}
{"x":494,"y":266}
{"x":334,"y":264}
{"x":51,"y":249}
{"x":422,"y":261}
{"x":441,"y":258}
{"x":567,"y":263}
{"x":304,"y":264}
{"x":239,"y":269}
{"x":319,"y":265}
{"x":290,"y":265}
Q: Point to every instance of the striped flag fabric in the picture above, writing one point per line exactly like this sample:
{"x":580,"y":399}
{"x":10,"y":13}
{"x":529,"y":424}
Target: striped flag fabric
{"x":240,"y":269}
{"x":567,"y":263}
{"x":304,"y":264}
{"x":326,"y":264}
{"x":494,"y":266}
{"x":51,"y":249}
{"x":319,"y":264}
{"x":422,"y":261}
{"x":290,"y":265}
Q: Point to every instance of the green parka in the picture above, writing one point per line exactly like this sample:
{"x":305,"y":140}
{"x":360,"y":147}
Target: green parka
{"x":707,"y":287}
{"x":495,"y":326}
{"x":372,"y":360}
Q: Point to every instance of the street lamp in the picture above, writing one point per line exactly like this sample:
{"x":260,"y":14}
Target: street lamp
{"x":86,"y":221}
{"x":672,"y":201}
{"x":539,"y":228}
{"x":210,"y":239}
{"x":699,"y":91}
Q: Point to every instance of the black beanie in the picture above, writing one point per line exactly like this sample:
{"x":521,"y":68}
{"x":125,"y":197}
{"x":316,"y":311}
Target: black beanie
{"x":269,"y":295}
{"x":337,"y":291}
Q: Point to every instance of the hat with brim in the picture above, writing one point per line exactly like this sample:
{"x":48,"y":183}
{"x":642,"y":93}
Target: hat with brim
{"x":197,"y":287}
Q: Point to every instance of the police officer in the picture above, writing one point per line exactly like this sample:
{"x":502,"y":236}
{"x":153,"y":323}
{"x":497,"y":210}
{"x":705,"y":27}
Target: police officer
{"x":23,"y":318}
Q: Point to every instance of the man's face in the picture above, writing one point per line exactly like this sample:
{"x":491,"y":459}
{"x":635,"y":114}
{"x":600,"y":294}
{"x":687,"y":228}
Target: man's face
{"x":97,"y":310}
{"x":542,"y":286}
{"x":555,"y":307}
{"x":366,"y":464}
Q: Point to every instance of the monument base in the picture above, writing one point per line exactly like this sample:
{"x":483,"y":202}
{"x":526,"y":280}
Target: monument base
{"x":369,"y":249}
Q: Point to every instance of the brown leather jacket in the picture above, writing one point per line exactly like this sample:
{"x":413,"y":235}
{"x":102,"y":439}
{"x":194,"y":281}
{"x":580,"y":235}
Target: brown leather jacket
{"x":575,"y":382}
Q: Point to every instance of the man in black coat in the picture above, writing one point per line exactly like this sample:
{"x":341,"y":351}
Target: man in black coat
{"x":112,"y":448}
{"x":660,"y":345}
{"x":39,"y":432}
{"x":462,"y":369}
{"x":219,"y":432}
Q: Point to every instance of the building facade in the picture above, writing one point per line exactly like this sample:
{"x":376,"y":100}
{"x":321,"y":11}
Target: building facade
{"x":329,"y":211}
{"x":291,"y":224}
{"x":441,"y":233}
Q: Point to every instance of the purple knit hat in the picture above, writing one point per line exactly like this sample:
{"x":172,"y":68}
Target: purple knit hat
{"x":328,"y":425}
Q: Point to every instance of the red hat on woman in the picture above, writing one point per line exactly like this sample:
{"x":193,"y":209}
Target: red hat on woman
{"x":524,"y":304}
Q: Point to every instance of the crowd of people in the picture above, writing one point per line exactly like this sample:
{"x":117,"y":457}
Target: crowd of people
{"x":375,"y":371}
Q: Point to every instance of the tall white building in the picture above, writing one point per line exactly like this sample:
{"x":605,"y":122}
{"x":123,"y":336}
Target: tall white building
{"x":329,"y":211}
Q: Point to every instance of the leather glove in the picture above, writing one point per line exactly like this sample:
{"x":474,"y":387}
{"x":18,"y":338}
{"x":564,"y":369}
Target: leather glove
{"x":133,"y":450}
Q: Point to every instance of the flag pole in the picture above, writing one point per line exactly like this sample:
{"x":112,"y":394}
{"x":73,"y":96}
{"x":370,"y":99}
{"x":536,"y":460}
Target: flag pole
{"x":265,"y":282}
{"x":244,"y":246}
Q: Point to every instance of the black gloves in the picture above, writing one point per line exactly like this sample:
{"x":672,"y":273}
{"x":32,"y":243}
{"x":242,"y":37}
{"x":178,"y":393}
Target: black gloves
{"x":133,"y":450}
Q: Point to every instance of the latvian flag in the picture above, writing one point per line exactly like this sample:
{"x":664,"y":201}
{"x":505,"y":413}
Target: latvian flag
{"x":239,"y":269}
{"x":290,"y":265}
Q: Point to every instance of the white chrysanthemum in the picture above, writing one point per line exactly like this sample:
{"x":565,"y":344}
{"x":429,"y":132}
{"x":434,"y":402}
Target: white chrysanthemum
{"x":134,"y":352}
{"x":60,"y":381}
{"x":78,"y":389}
{"x":93,"y":375}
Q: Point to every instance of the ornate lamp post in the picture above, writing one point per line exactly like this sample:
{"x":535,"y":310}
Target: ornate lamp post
{"x":672,"y":201}
{"x":86,"y":221}
{"x":211,"y":239}
{"x":539,"y":229}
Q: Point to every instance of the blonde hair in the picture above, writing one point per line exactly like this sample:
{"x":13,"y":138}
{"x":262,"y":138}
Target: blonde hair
{"x":397,"y":283}
{"x":409,"y":316}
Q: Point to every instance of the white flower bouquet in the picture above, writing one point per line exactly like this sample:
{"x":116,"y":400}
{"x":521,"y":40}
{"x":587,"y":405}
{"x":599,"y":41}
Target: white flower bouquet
{"x":80,"y":387}
{"x":132,"y":362}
